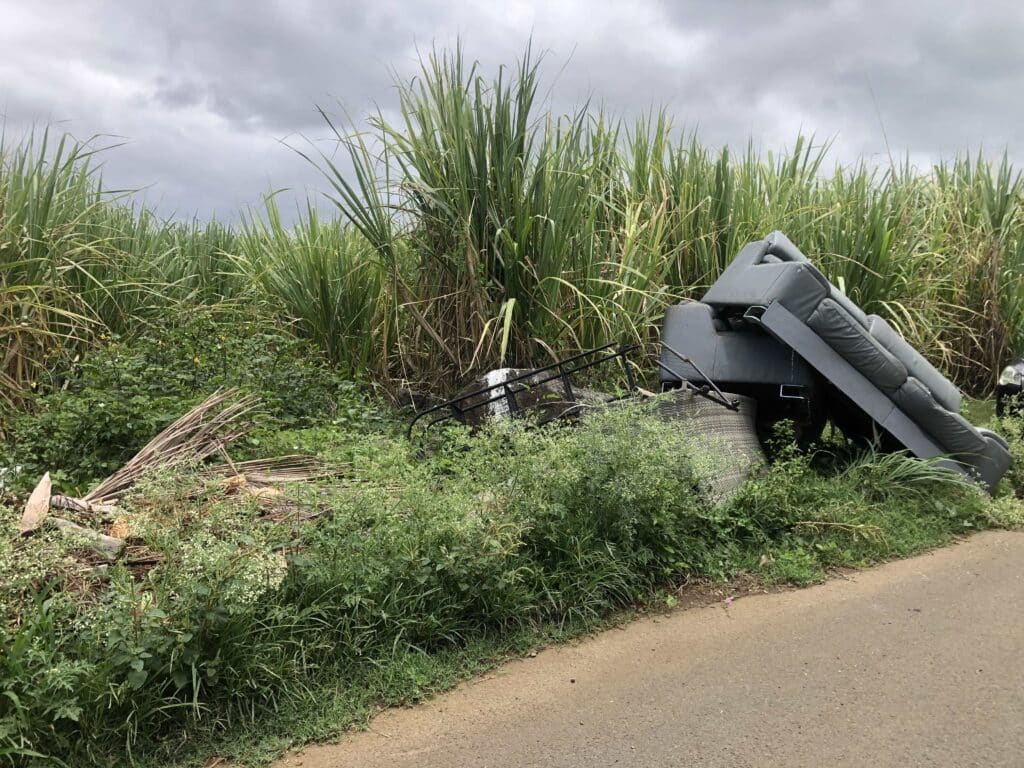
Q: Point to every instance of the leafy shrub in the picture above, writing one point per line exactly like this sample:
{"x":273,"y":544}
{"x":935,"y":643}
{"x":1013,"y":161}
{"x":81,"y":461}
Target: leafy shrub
{"x":792,"y":565}
{"x":119,"y":397}
{"x":1012,"y":430}
{"x":874,"y":507}
{"x":622,"y":488}
{"x":43,"y":692}
{"x":41,"y":689}
{"x":84,"y":434}
{"x":1006,"y":511}
{"x":80,"y":661}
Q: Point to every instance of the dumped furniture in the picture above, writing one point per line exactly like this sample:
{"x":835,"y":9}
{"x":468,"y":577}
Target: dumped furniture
{"x":719,"y":426}
{"x":783,"y":343}
{"x":547,"y":392}
{"x":724,"y":441}
{"x":771,"y":302}
{"x":722,"y":349}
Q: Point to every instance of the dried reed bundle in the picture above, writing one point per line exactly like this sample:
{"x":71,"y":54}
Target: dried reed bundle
{"x":284,"y":469}
{"x":202,"y":432}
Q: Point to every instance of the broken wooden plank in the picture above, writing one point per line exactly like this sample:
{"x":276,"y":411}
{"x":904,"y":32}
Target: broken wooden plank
{"x":37,"y":507}
{"x":72,"y":504}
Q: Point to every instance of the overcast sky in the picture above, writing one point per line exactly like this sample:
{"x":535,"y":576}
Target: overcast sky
{"x":204,"y":92}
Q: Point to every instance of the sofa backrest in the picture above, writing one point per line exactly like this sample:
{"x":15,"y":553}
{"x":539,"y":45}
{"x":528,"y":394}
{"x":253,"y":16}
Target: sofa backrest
{"x":769,"y":270}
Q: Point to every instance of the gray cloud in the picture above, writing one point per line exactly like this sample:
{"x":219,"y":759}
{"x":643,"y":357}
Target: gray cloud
{"x":203,"y":92}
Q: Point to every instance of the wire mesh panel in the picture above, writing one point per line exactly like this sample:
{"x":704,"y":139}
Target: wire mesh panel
{"x":547,"y":390}
{"x":725,"y":444}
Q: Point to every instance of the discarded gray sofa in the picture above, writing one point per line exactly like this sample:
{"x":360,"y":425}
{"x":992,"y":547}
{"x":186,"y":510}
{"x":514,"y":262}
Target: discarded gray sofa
{"x":772,"y":287}
{"x":699,"y":345}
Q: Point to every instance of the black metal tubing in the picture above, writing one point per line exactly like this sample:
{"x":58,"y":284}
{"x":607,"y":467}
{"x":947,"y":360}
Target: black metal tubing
{"x":703,"y":391}
{"x":505,"y":390}
{"x":721,"y":399}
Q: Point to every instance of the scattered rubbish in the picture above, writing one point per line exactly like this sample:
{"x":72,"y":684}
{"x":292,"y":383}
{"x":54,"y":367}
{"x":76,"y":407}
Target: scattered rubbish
{"x":724,"y":441}
{"x":82,"y":507}
{"x":720,"y":425}
{"x":523,"y":389}
{"x":201,"y":434}
{"x":772,"y":339}
{"x":262,"y":472}
{"x":774,"y":328}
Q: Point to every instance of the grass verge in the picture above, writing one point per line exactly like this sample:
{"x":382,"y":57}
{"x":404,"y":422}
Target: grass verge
{"x":255,"y":633}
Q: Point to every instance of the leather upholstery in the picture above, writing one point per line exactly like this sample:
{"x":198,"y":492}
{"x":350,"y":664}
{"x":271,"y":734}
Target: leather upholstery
{"x":774,"y":270}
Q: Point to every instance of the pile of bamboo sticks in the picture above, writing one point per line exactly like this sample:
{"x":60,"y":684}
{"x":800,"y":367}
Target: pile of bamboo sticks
{"x":204,"y":432}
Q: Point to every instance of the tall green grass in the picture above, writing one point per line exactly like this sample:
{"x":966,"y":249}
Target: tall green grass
{"x":522,"y":233}
{"x":324,"y":277}
{"x":528,"y":231}
{"x":479,"y":228}
{"x":78,"y":264}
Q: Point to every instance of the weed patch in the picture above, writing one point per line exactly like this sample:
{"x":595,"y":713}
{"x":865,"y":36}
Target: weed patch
{"x":86,"y":424}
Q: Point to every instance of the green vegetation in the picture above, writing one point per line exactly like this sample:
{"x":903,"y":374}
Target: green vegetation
{"x":478,"y":229}
{"x":250,"y":633}
{"x":118,"y":397}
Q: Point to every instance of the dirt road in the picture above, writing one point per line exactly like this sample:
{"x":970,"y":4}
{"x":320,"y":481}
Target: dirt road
{"x":915,"y":663}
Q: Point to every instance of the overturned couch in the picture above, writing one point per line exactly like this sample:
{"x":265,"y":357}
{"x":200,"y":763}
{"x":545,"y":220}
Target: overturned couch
{"x":774,"y":327}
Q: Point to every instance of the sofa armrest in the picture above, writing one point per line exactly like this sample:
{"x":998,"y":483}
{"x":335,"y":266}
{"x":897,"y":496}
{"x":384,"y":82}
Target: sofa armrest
{"x":724,"y":355}
{"x":782,"y":248}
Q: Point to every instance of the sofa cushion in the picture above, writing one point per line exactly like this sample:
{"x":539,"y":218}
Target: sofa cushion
{"x":949,"y":429}
{"x":849,"y":338}
{"x":846,"y":303}
{"x":942,"y":389}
